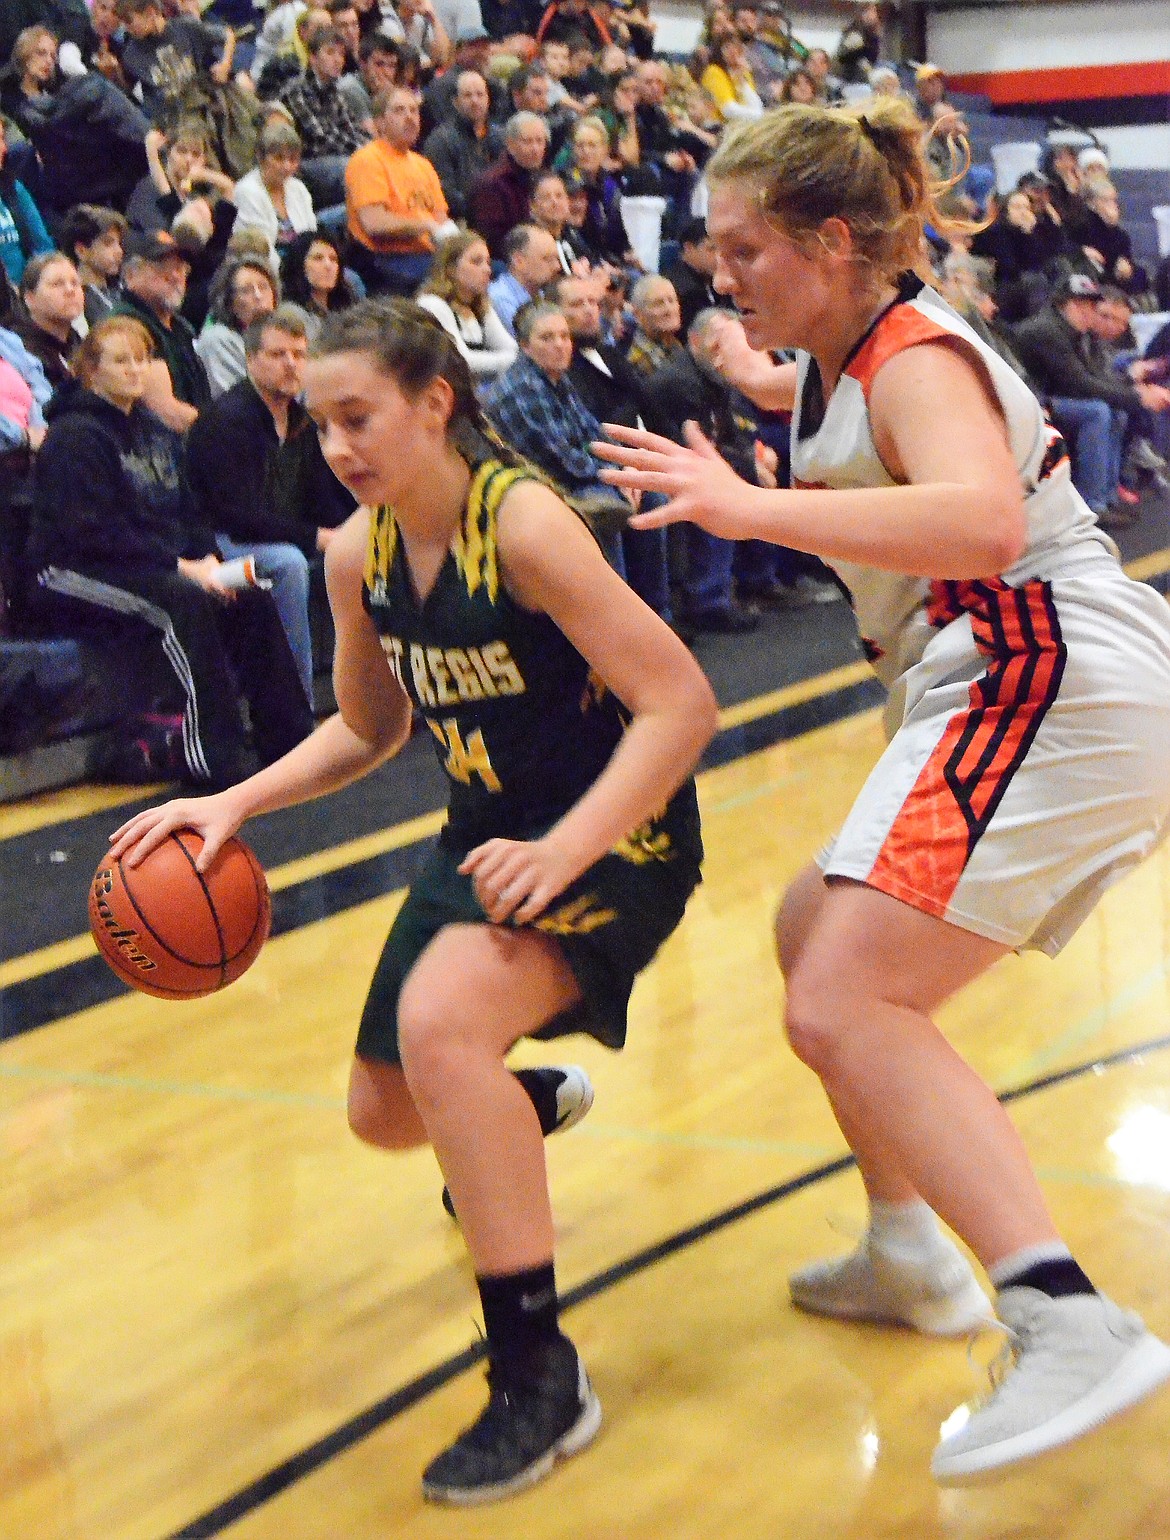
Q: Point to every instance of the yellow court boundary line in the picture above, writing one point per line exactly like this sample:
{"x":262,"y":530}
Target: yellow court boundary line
{"x":1143,"y":568}
{"x":50,"y":807}
{"x":796,"y":694}
{"x":61,"y":953}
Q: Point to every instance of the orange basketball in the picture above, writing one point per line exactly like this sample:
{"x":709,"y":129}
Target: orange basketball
{"x":176,"y":932}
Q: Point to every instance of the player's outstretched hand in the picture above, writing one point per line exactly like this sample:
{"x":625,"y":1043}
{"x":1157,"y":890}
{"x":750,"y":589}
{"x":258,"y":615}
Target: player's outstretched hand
{"x":516,"y":879}
{"x":212,"y":817}
{"x":697,"y":480}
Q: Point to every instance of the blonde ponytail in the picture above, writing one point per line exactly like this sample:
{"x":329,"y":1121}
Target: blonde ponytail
{"x":862,"y":164}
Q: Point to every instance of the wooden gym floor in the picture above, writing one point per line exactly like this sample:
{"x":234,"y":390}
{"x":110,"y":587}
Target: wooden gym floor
{"x":219,"y":1314}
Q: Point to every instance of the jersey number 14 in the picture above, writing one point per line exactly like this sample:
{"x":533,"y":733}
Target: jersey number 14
{"x":464,"y":759}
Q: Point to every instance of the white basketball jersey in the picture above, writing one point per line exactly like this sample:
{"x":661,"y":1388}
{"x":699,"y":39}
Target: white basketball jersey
{"x":832,"y":447}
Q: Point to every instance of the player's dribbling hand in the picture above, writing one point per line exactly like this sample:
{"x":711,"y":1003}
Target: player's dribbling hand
{"x":516,"y":879}
{"x":697,"y":481}
{"x":212,"y":817}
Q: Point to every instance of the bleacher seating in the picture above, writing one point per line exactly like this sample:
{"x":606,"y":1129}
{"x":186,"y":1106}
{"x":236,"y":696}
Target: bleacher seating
{"x":1161,"y":216}
{"x":59,"y":698}
{"x":1013,"y":159}
{"x":66,"y":694}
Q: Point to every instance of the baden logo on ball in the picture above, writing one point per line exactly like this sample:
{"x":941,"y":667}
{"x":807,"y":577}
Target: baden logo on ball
{"x":114,"y":932}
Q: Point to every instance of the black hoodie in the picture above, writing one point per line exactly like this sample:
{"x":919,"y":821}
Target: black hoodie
{"x":110,"y":494}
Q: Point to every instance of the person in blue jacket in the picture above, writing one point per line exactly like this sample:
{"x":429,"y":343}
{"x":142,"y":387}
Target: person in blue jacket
{"x":22,"y":230}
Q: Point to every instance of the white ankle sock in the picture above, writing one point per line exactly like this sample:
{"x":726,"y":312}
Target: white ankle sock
{"x":1002,"y":1272}
{"x":908,"y":1231}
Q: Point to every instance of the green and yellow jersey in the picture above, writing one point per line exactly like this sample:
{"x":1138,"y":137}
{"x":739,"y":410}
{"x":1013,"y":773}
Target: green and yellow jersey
{"x":521,"y":723}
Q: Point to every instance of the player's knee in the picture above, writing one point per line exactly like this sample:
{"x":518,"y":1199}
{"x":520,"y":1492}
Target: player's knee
{"x":380,"y":1111}
{"x":815,"y":1018}
{"x":426,"y":1042}
{"x":784,"y":929}
{"x":796,"y":917}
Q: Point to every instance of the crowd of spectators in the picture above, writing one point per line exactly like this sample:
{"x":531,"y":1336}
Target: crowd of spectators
{"x":1049,"y":279}
{"x":187,"y":191}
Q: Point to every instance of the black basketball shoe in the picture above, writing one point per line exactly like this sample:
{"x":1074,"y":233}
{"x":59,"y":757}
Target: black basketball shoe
{"x":539,"y":1411}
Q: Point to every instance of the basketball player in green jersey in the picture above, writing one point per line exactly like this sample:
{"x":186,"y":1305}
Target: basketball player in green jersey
{"x":568,"y":719}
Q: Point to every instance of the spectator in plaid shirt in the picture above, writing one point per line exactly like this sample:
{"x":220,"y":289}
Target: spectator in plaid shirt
{"x":655,"y":343}
{"x":329,"y":130}
{"x":539,"y":411}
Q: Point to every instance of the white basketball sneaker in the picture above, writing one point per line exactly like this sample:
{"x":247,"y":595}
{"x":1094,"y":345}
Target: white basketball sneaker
{"x":574,"y":1095}
{"x":940,"y":1297}
{"x":1072,"y":1364}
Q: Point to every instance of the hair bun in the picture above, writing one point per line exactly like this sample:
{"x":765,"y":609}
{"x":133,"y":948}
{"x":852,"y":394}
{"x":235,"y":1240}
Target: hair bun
{"x":884,"y":136}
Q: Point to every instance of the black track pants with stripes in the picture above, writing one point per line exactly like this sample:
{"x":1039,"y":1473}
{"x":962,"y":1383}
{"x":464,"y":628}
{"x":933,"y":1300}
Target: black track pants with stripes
{"x":215,"y":650}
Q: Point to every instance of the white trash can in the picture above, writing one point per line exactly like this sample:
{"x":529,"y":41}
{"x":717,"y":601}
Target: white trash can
{"x":1146,"y":325}
{"x":642,"y":217}
{"x":1162,"y":220}
{"x":1012,"y":161}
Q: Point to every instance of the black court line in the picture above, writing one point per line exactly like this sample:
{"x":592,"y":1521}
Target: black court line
{"x":47,"y":997}
{"x":309,"y":1460}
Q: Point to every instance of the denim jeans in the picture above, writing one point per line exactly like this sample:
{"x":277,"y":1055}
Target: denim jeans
{"x":387,"y":272}
{"x":707,"y":583}
{"x":1095,"y":432}
{"x":287,"y":568}
{"x":647,"y":569}
{"x":324,"y":176}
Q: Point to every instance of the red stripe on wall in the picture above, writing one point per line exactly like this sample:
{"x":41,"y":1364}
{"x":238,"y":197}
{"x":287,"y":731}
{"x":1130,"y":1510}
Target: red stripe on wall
{"x":1079,"y":83}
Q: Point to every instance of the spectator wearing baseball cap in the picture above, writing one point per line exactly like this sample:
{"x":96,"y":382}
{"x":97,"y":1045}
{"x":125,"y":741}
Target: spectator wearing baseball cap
{"x":1090,"y":403}
{"x":154,"y":281}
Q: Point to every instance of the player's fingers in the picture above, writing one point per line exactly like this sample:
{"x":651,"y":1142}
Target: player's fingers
{"x":141,"y":825}
{"x":503,"y":880}
{"x":483,"y":865}
{"x":130,"y":829}
{"x":487,"y":892}
{"x":673,"y":512}
{"x":638,"y":438}
{"x":214,"y":839}
{"x":635,"y":459}
{"x":699,"y":442}
{"x":533,"y":906}
{"x":669,"y":482}
{"x":492,"y":904}
{"x":512,"y":896}
{"x":149,"y":841}
{"x":633,"y":454}
{"x":474,"y":860}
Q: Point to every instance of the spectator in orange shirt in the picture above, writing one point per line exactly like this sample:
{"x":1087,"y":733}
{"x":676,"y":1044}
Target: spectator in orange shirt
{"x":394,"y":200}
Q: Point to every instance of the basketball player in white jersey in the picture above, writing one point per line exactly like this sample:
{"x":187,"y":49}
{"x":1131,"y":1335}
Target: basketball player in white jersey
{"x":1030,"y":679}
